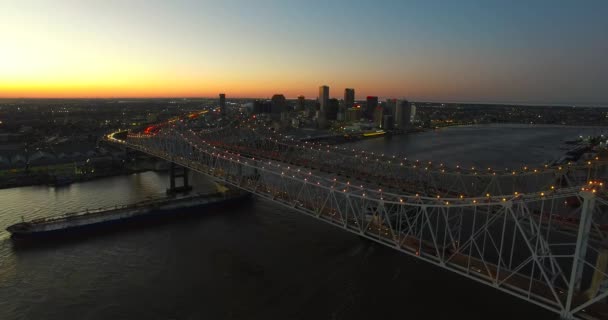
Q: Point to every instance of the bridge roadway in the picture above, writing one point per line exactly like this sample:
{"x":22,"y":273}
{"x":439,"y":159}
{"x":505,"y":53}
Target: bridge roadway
{"x":391,"y":171}
{"x":508,"y":242}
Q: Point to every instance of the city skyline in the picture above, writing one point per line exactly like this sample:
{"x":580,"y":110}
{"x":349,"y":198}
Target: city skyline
{"x":548,"y":52}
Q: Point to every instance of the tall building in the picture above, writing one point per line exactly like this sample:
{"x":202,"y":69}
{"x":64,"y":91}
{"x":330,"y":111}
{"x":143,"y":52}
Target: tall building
{"x":370,"y":107}
{"x":403,"y":114}
{"x":349,"y":98}
{"x":278,"y":103}
{"x":352,"y":115}
{"x":387,"y":124}
{"x":331,"y":112}
{"x":413,"y":114}
{"x":223,"y":104}
{"x":390,"y":105}
{"x":323,"y":98}
{"x":301,"y":103}
{"x":378,"y":116}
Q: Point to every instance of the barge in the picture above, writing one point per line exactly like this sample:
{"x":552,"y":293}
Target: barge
{"x":74,"y":221}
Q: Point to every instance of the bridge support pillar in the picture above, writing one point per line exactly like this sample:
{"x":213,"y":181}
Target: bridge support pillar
{"x":176,"y":172}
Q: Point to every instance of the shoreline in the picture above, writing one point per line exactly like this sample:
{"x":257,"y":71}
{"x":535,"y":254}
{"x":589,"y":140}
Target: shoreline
{"x":47,"y":180}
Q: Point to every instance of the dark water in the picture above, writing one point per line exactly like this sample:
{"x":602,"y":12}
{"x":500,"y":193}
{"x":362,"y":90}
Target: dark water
{"x":253,"y":261}
{"x":499,"y":146}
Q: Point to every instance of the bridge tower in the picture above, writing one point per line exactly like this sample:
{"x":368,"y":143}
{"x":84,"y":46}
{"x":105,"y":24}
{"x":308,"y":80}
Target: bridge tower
{"x":176,"y":172}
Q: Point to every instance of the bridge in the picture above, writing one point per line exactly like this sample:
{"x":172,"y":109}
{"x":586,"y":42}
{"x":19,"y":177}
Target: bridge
{"x":537,"y":233}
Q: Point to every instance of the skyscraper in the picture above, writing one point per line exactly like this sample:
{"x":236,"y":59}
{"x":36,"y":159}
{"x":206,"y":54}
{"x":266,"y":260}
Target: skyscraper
{"x":332,"y":109}
{"x":390,"y":106}
{"x":223,"y":104}
{"x":413,"y":114}
{"x":349,"y":98}
{"x":323,"y":98}
{"x":403,"y":114}
{"x":278,"y":103}
{"x":301,"y":103}
{"x":378,"y":116}
{"x":370,"y":107}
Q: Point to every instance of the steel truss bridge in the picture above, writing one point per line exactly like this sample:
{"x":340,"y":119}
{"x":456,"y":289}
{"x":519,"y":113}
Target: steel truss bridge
{"x":540,"y":234}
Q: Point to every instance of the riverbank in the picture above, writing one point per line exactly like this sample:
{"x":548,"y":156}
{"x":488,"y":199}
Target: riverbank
{"x":22,"y":179}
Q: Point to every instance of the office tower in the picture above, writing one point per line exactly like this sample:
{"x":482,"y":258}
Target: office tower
{"x":413,"y":114}
{"x":403,"y":114}
{"x":378,"y":116}
{"x":352,"y":115}
{"x":279,"y":103}
{"x":390,"y":105}
{"x":301,"y":103}
{"x":349,"y":98}
{"x":223,"y":104}
{"x":387,"y":124}
{"x":331,"y":112}
{"x":323,"y":98}
{"x":370,"y":107}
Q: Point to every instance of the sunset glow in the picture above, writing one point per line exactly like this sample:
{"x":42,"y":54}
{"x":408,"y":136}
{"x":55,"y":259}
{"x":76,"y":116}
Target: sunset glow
{"x":419,"y":50}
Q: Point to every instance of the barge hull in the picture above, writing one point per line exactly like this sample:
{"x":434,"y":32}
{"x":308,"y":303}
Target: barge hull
{"x":149,"y":215}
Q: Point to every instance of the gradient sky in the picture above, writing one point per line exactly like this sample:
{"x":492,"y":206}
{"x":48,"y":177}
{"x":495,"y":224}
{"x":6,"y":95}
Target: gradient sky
{"x":531,"y":51}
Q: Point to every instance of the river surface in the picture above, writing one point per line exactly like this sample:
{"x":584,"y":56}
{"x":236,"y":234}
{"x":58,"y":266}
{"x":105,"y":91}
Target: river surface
{"x":255,"y":260}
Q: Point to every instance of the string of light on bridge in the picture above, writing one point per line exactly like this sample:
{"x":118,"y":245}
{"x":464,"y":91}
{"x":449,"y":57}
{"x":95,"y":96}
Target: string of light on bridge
{"x":416,"y":165}
{"x":347,"y":187}
{"x":428,"y":165}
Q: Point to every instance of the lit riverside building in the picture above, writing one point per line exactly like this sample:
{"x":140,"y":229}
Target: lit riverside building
{"x":403,"y":114}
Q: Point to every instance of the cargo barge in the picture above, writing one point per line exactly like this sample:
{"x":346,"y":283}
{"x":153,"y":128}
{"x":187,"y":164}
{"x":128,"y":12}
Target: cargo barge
{"x":84,"y":220}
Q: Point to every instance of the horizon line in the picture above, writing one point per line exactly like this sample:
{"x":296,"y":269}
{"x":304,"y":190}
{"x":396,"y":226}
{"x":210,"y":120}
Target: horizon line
{"x":522,"y":103}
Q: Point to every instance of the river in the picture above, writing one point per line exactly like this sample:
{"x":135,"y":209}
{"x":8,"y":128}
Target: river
{"x":253,"y":261}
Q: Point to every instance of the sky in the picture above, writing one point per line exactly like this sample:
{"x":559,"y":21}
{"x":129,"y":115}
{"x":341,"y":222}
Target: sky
{"x":477,"y":51}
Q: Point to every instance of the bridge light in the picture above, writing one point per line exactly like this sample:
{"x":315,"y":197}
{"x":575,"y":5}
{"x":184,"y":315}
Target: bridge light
{"x":542,"y":194}
{"x":487,"y":195}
